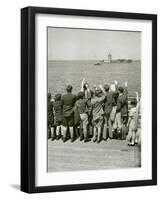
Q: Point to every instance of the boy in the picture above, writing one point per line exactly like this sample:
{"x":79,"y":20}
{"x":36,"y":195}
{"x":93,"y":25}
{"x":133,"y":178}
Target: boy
{"x":81,"y":107}
{"x":67,"y":105}
{"x":57,"y":115}
{"x":121,"y":111}
{"x":108,"y":106}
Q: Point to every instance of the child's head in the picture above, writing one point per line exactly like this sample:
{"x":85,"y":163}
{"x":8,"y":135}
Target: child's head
{"x":134,"y":102}
{"x":57,"y":97}
{"x":121,"y":89}
{"x":85,"y":86}
{"x":98,"y":92}
{"x":106,"y":87}
{"x":69,"y":88}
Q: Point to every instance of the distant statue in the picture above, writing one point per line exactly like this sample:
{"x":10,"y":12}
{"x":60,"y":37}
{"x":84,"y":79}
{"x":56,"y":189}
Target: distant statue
{"x":109,"y":57}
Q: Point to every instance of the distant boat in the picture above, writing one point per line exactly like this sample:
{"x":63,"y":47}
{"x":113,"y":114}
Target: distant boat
{"x":97,"y":63}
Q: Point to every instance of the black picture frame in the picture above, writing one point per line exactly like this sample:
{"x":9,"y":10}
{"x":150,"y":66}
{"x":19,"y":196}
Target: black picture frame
{"x":28,"y":98}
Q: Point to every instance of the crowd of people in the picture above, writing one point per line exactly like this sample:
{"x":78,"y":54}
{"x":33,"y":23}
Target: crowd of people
{"x":94,"y":114}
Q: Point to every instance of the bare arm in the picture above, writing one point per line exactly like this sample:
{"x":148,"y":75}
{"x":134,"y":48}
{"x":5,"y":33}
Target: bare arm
{"x":87,"y":86}
{"x":82,"y":85}
{"x":116,"y":85}
{"x":137,"y":98}
{"x":125,"y":89}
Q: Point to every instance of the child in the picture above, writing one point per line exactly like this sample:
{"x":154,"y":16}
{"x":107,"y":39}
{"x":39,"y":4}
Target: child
{"x":50,"y":118}
{"x":81,"y":109}
{"x":133,"y":122}
{"x":57,"y":114}
{"x":97,"y":113}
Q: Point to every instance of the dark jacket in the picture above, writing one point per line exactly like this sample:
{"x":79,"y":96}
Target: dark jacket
{"x":67,"y":104}
{"x":122,"y":104}
{"x":50,"y":114}
{"x":109,"y":102}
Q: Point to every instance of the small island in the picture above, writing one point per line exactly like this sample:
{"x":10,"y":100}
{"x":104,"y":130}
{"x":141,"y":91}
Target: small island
{"x":110,"y":60}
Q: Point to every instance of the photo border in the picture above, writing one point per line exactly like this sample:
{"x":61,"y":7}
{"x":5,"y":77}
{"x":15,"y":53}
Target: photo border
{"x":28,"y":98}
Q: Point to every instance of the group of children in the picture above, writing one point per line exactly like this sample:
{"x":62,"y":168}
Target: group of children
{"x":94,"y":114}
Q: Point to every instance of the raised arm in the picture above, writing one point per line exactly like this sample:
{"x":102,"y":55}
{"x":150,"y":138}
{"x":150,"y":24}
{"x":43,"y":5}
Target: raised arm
{"x":87,"y":92}
{"x":103,"y":90}
{"x":137,"y":98}
{"x":116,"y":85}
{"x":82,"y":85}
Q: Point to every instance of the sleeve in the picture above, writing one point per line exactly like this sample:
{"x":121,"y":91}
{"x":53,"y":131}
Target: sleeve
{"x":75,"y":99}
{"x":118,"y":109}
{"x":53,"y":108}
{"x":75,"y":107}
{"x":89,"y":103}
{"x":62,"y":103}
{"x":109,"y":99}
{"x":126,"y":92}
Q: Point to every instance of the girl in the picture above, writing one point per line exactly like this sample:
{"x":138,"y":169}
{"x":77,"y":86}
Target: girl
{"x":133,"y":121}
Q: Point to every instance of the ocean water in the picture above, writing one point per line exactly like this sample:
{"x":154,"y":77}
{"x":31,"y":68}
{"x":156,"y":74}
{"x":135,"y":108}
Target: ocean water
{"x":62,"y":73}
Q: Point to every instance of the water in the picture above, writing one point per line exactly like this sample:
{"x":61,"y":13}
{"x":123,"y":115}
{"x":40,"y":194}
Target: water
{"x":62,"y":73}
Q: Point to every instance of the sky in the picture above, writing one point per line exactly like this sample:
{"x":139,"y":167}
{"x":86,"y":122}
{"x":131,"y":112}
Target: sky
{"x":85,"y":44}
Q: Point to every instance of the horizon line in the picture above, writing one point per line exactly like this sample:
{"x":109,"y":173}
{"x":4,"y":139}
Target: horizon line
{"x":91,"y":59}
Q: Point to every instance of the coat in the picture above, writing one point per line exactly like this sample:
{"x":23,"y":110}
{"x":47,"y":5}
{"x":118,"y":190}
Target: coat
{"x":67,"y":104}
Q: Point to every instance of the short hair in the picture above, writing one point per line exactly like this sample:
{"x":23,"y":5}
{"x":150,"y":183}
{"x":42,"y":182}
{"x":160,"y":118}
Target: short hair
{"x":69,"y":88}
{"x":84,"y":86}
{"x":121,"y":89}
{"x":106,"y":87}
{"x":80,"y":95}
{"x":133,"y":102}
{"x":57,"y":97}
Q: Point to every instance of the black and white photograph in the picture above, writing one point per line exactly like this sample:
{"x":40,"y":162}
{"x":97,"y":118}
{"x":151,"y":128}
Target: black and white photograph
{"x":89,"y":86}
{"x":94,"y":99}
